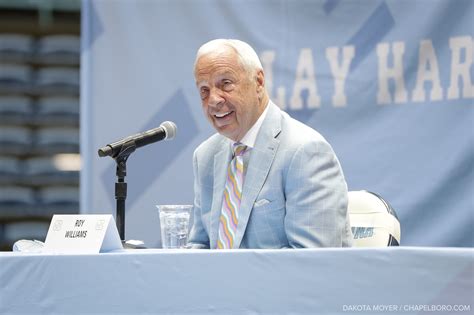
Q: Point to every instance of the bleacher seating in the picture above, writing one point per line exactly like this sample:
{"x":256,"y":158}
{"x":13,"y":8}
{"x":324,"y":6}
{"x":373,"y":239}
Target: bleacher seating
{"x":57,"y":111}
{"x":57,"y":81}
{"x":58,"y":49}
{"x":25,"y":230}
{"x":15,"y":110}
{"x":16,"y":48}
{"x":59,"y":200}
{"x":39,"y":118}
{"x":15,"y":140}
{"x":15,"y":79}
{"x":17,"y":202}
{"x":42,"y":171}
{"x":57,"y":140}
{"x":10,"y":171}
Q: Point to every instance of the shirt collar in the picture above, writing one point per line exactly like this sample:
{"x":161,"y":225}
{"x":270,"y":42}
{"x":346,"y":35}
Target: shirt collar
{"x":251,"y":135}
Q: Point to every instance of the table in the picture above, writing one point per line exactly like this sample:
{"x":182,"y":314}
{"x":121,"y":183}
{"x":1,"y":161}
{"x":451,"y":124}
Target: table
{"x":306,"y":281}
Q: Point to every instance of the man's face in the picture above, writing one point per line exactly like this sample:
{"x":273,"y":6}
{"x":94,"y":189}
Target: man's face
{"x":230,"y":96}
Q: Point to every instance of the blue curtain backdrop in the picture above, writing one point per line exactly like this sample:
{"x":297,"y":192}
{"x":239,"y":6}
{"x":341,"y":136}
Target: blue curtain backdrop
{"x":388,"y":83}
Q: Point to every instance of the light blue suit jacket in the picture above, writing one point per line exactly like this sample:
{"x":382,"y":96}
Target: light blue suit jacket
{"x":294,"y":192}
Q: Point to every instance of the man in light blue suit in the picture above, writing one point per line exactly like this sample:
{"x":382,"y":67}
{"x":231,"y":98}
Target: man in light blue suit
{"x":293,"y":194}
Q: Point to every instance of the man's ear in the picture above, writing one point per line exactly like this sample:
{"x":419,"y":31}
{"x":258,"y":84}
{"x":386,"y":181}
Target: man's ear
{"x":260,"y":81}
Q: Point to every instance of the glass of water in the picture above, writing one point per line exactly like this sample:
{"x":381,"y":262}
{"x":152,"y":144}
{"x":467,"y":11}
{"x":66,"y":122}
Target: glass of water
{"x":174,"y":224}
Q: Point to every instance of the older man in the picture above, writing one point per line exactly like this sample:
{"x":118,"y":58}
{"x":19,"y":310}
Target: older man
{"x":264,"y":180}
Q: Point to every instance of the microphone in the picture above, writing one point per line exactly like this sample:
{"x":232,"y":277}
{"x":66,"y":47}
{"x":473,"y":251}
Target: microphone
{"x":166,"y":131}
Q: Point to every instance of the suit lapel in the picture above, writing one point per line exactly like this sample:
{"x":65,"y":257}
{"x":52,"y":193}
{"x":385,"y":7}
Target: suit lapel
{"x":261,"y":159}
{"x":221,"y":161}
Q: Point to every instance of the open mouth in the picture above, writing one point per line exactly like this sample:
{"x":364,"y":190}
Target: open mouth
{"x":222,"y":115}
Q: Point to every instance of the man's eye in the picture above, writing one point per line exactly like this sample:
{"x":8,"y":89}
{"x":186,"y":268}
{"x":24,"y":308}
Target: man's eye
{"x":227,"y":84}
{"x":204,"y":93}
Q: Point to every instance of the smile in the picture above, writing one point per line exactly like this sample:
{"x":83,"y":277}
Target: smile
{"x":222,"y":115}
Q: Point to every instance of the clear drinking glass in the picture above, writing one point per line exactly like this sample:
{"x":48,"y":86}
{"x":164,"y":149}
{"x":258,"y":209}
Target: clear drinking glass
{"x":174,"y":224}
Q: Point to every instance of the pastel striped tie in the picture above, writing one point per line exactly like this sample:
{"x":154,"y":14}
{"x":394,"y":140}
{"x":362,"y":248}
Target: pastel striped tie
{"x":229,"y":218}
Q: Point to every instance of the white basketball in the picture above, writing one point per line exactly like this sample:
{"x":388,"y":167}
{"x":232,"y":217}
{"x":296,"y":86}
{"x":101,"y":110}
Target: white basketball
{"x":374,"y":222}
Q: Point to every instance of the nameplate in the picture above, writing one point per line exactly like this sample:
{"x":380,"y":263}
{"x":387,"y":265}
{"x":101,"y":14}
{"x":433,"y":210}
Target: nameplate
{"x":82,"y":234}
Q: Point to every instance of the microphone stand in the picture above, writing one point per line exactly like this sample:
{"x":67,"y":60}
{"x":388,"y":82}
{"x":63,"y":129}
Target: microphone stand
{"x":121,"y":186}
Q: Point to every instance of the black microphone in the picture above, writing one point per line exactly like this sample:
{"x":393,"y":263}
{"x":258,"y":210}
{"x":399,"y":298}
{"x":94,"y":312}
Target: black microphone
{"x":166,"y":131}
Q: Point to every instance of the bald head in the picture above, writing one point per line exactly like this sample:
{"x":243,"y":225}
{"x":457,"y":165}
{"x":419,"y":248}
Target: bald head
{"x":246,"y":55}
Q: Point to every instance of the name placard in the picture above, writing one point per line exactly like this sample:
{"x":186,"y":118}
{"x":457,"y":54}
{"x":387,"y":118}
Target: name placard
{"x":83,"y":234}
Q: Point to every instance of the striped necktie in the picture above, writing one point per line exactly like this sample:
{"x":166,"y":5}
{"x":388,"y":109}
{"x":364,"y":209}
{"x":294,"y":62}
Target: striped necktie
{"x":231,"y":201}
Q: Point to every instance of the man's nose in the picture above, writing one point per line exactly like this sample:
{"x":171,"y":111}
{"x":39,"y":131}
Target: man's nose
{"x":215,"y":98}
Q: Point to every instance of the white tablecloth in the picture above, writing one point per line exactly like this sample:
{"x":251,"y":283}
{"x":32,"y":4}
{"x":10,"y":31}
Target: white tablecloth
{"x":308,"y":281}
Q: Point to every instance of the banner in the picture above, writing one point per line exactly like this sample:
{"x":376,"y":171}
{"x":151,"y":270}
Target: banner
{"x":388,"y":83}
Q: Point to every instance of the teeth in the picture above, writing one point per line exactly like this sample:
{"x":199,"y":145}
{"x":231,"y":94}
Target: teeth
{"x":222,"y":115}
